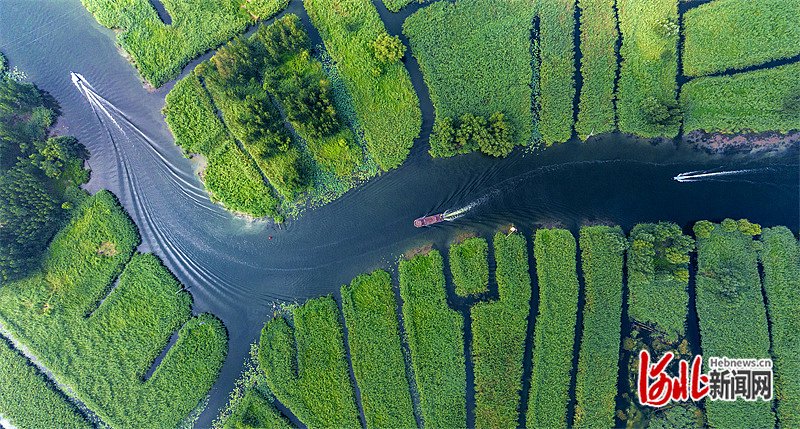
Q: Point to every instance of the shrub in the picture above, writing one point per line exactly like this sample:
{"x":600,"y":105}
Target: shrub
{"x":472,"y":132}
{"x":745,"y":33}
{"x":388,"y":49}
{"x":469,"y":266}
{"x":435,"y":340}
{"x":320,"y":394}
{"x":554,"y":250}
{"x":373,"y":333}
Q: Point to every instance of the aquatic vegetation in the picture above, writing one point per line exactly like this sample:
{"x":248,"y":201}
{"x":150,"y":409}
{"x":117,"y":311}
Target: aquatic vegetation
{"x":554,"y":83}
{"x":373,"y":332}
{"x":160,"y":51}
{"x":305,"y":365}
{"x":28,"y":399}
{"x":762,"y":100}
{"x":436,"y":341}
{"x":555,"y":253}
{"x":780,"y":258}
{"x":733,"y":320}
{"x":469,"y":266}
{"x":230,"y":176}
{"x":602,"y":250}
{"x":476,"y":69}
{"x":646,"y":93}
{"x":598,"y":36}
{"x":658,"y":278}
{"x":499,"y":331}
{"x":101,"y":338}
{"x":256,"y":411}
{"x":744,"y":33}
{"x":386,"y":104}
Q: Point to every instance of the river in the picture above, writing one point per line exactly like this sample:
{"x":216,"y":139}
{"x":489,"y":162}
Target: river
{"x":235,"y":271}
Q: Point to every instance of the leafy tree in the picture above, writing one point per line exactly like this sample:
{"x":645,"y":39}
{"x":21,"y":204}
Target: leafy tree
{"x":498,"y":141}
{"x":388,"y":49}
{"x":442,"y":138}
{"x":54,"y":155}
{"x":661,"y":113}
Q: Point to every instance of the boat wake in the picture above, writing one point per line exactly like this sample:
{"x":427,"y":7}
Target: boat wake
{"x":696,"y":176}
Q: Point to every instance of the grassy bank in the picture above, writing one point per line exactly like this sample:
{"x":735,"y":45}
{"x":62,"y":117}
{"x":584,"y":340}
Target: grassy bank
{"x":646,"y":95}
{"x":733,"y":321}
{"x":553,"y":343}
{"x":305,"y":365}
{"x":386,"y":104}
{"x":599,"y":35}
{"x":498,"y":337}
{"x":780,"y":258}
{"x":602,"y":250}
{"x":469,"y":266}
{"x":436,"y":341}
{"x":744,"y":33}
{"x":762,"y":100}
{"x":373,"y":333}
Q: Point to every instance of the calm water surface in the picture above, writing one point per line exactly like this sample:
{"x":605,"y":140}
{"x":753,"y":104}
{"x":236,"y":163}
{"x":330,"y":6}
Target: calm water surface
{"x":236,"y":272}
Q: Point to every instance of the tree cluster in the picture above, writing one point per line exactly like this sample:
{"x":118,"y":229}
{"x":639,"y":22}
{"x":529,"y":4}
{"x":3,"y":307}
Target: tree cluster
{"x":470,"y":133}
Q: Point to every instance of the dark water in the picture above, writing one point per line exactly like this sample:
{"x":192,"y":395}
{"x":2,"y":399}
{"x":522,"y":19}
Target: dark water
{"x":234,"y":271}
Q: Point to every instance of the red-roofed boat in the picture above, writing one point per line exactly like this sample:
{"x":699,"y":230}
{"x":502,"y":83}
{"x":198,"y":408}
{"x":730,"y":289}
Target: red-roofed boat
{"x":429,"y":220}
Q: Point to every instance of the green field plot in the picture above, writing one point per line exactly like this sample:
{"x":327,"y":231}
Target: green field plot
{"x":373,"y":332}
{"x":646,"y":95}
{"x":553,"y":343}
{"x":306,"y":367}
{"x":762,"y":100}
{"x":369,"y":61}
{"x":734,"y":34}
{"x":469,"y":266}
{"x":602,"y":250}
{"x":476,"y":69}
{"x":103,"y":346}
{"x":254,"y":411}
{"x":498,"y":337}
{"x":436,"y":341}
{"x":780,"y":258}
{"x":733,"y":321}
{"x":599,"y":35}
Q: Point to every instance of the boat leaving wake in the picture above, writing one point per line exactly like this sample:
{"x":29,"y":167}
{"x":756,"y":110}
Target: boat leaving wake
{"x":695,"y":176}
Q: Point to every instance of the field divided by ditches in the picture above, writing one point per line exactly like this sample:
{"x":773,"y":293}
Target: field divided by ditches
{"x":97,"y":315}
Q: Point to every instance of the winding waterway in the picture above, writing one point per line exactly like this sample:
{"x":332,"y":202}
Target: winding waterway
{"x":235,"y":271}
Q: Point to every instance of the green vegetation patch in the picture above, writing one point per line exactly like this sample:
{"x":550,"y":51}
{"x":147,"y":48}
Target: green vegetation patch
{"x":658,"y":278}
{"x":553,"y":344}
{"x":781,"y":261}
{"x":436,"y":341}
{"x":369,"y":61}
{"x":602,"y":250}
{"x":554,"y":83}
{"x":762,"y":100}
{"x":373,"y":333}
{"x":255,"y":411}
{"x":733,"y":321}
{"x":28,"y":399}
{"x":469,"y":266}
{"x":103,"y":348}
{"x":598,"y":37}
{"x":734,"y":34}
{"x":305,"y":365}
{"x":160,"y":51}
{"x":498,"y":337}
{"x":476,"y":69}
{"x":646,"y":93}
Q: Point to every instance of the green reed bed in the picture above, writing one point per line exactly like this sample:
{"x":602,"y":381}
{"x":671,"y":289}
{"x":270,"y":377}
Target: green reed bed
{"x":757,"y":101}
{"x":658,"y":278}
{"x":646,"y":93}
{"x":254,"y":411}
{"x":436,"y":341}
{"x":733,"y":321}
{"x":602,"y":250}
{"x":553,"y":343}
{"x":373,"y":333}
{"x":554,"y":89}
{"x":598,"y":36}
{"x":28,"y":399}
{"x":780,"y":258}
{"x":469,"y":266}
{"x":476,"y":69}
{"x":305,"y":365}
{"x":734,"y":34}
{"x":384,"y":100}
{"x":499,"y":329}
{"x":103,"y":353}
